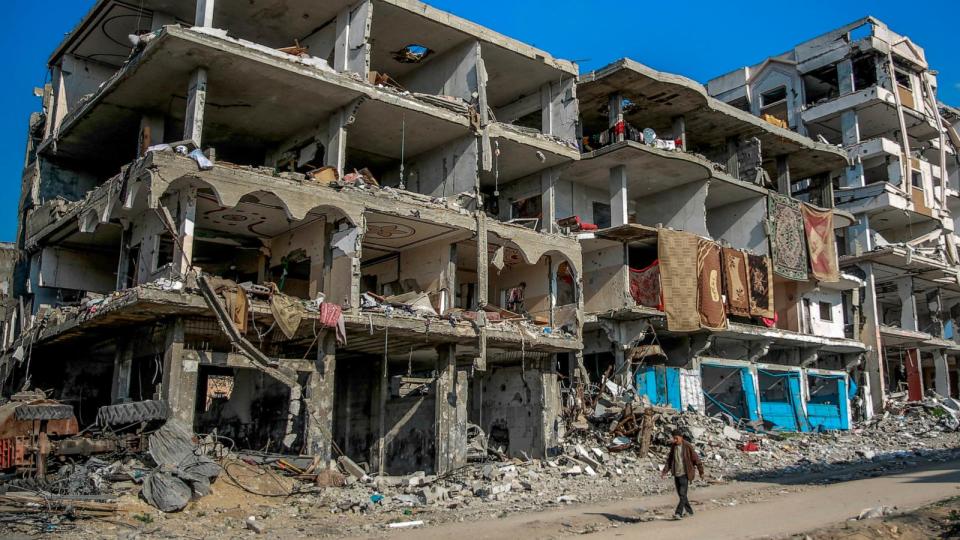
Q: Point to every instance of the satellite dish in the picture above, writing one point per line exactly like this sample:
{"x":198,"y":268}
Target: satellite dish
{"x":649,"y":135}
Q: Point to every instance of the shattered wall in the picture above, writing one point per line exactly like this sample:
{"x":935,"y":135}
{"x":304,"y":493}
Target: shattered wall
{"x":506,"y":402}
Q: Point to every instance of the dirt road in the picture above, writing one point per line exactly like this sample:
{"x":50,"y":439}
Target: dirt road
{"x":740,"y":510}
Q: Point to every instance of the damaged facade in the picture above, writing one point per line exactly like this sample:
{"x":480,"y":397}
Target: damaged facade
{"x":870,"y":90}
{"x":366,"y":229}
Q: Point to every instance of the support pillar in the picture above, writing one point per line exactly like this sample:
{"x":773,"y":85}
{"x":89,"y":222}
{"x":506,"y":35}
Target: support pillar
{"x":845,"y":76}
{"x":546,"y":109}
{"x":850,"y":128}
{"x":616,"y":117}
{"x":552,"y":425}
{"x":908,"y":303}
{"x":186,"y":218}
{"x":548,"y":204}
{"x":941,"y":373}
{"x":451,"y":411}
{"x":179,"y":385}
{"x":383,"y":396}
{"x":122,"y":366}
{"x":196,"y":101}
{"x":680,"y":131}
{"x":618,"y":196}
{"x":483,"y":283}
{"x":204,"y":13}
{"x":783,"y":174}
{"x":319,"y":394}
{"x":351,"y":49}
{"x":873,"y":361}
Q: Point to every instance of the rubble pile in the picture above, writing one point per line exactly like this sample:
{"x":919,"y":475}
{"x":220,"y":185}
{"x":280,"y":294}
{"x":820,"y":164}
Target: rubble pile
{"x":614,"y":451}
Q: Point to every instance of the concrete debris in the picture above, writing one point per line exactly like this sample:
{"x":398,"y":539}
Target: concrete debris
{"x":255,"y":525}
{"x":878,"y":511}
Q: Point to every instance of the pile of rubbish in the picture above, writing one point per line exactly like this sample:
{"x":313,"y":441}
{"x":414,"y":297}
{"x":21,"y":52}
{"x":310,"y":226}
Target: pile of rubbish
{"x":65,"y":474}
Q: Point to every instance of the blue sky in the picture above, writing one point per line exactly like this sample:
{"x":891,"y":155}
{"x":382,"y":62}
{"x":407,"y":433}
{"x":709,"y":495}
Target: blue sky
{"x":696,"y":38}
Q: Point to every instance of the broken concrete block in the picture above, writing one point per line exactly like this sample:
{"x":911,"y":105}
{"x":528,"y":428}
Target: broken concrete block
{"x":573,"y":471}
{"x":585,"y":456}
{"x":491,"y":472}
{"x":432,"y":495}
{"x":255,"y":525}
{"x":731,"y":433}
{"x":350,"y":467}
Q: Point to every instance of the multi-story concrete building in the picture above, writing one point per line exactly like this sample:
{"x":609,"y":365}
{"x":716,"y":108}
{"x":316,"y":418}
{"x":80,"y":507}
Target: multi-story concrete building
{"x":339,"y":151}
{"x":357,"y":228}
{"x":870,"y":90}
{"x":661,"y":153}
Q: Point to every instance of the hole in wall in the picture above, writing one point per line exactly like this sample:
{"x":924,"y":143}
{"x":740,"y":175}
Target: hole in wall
{"x":412,"y":54}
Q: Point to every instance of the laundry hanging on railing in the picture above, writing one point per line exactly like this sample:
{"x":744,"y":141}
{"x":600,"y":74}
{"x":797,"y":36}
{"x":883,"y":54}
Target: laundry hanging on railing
{"x":677,"y":251}
{"x":761,"y":287}
{"x":713,"y":315}
{"x":821,"y":243}
{"x":736,"y":282}
{"x":645,"y":286}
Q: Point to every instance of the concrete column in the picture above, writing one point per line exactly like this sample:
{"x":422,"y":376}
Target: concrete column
{"x":179,"y":384}
{"x":196,"y":101}
{"x":845,"y":76}
{"x":908,"y":303}
{"x":383,"y":387}
{"x":941,"y":373}
{"x":680,"y":131}
{"x":783,"y":174}
{"x":187,"y":217}
{"x":546,"y":109}
{"x":850,"y":128}
{"x":451,"y":411}
{"x":548,"y":199}
{"x":204,"y":14}
{"x":895,"y":171}
{"x":859,"y":236}
{"x":483,"y":284}
{"x":122,"y":365}
{"x":616,"y":114}
{"x":873,"y":361}
{"x":352,"y":44}
{"x":552,"y":425}
{"x":733,"y":160}
{"x":618,"y":196}
{"x":319,"y":394}
{"x":483,"y":262}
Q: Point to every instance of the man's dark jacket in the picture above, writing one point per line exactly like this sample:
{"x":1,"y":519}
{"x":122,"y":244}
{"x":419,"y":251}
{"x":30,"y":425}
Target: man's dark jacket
{"x":690,"y":460}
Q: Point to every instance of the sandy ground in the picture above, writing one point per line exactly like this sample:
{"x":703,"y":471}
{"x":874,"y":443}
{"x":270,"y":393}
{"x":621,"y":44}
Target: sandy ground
{"x":740,"y":510}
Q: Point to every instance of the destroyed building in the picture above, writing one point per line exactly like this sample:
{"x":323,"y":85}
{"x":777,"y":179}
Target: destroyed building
{"x":661,"y":154}
{"x":372,"y":229}
{"x":870,"y":90}
{"x":273,"y":221}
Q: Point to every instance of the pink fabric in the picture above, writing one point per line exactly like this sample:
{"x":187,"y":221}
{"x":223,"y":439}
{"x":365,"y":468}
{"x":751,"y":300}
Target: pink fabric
{"x":645,"y":286}
{"x":331,"y":316}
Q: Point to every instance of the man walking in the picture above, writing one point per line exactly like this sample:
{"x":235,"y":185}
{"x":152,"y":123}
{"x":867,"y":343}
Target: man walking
{"x":681,"y":461}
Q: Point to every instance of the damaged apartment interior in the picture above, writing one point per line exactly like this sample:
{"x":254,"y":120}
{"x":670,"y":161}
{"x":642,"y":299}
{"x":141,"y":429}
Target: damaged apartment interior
{"x":371,"y":230}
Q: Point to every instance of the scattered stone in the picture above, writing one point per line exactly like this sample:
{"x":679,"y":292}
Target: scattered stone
{"x":255,"y":525}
